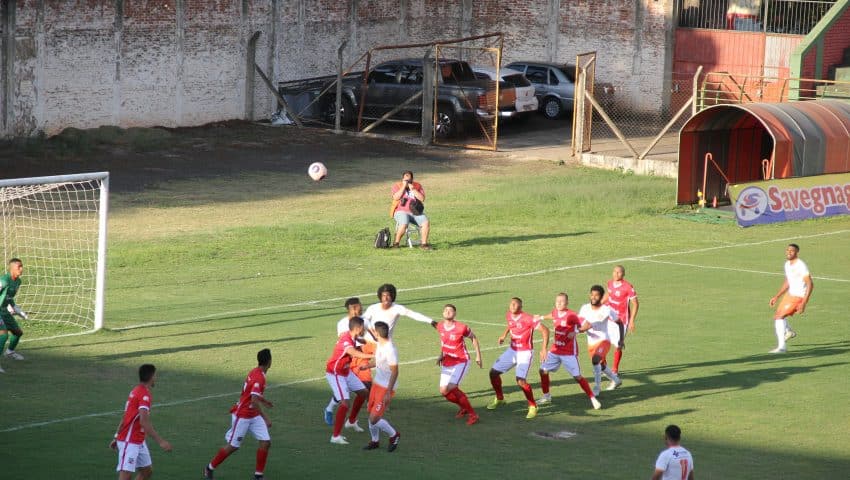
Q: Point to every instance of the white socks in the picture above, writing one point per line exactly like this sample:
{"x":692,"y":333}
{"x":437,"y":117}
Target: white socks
{"x":375,"y":432}
{"x":385,"y":427}
{"x":613,"y":376}
{"x":331,"y":405}
{"x":779,"y":326}
{"x":597,"y":375}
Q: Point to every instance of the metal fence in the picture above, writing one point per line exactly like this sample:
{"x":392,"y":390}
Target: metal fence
{"x":725,"y":88}
{"x":428,"y":91}
{"x":796,"y":17}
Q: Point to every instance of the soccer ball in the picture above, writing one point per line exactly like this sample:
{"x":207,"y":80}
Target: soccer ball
{"x":317,"y":171}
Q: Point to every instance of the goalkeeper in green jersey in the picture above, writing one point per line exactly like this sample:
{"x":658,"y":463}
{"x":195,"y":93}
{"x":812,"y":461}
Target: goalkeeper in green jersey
{"x":9,"y":285}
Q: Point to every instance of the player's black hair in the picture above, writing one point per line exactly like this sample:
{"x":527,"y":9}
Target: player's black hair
{"x":264,"y":357}
{"x":352,"y":301}
{"x":387,"y":287}
{"x":450,"y":305}
{"x":796,"y":247}
{"x":15,"y":260}
{"x":563,"y":294}
{"x":518,"y":300}
{"x":673,"y":432}
{"x":383,"y":329}
{"x":354,"y":322}
{"x":598,"y":288}
{"x":407,"y":172}
{"x":146,"y":372}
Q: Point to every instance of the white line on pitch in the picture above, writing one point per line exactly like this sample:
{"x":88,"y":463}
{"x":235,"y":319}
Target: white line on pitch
{"x":742,"y":270}
{"x":461,"y":282}
{"x":200,"y":399}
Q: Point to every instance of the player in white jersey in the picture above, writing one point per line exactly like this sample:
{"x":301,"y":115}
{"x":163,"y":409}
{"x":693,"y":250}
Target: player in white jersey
{"x":596,"y":319}
{"x":388,"y":311}
{"x":675,"y":463}
{"x":797,"y":288}
{"x":383,"y":389}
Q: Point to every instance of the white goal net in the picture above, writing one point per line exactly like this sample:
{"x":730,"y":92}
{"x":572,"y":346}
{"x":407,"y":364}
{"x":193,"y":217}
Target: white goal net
{"x":57,"y":227}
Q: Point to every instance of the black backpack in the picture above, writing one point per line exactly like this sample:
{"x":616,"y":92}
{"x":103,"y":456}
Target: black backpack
{"x":382,"y":239}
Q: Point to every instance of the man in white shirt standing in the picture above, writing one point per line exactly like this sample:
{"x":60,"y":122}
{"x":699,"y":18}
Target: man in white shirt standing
{"x":675,"y":463}
{"x":388,"y":311}
{"x":797,"y":288}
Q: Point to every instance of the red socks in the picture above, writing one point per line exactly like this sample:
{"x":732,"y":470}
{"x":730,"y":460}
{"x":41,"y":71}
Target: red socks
{"x":463,"y":401}
{"x":544,"y":383}
{"x":219,"y":457}
{"x":262,"y":454}
{"x":496,"y":381}
{"x":586,"y":387}
{"x":355,"y":409}
{"x":341,"y":412}
{"x":529,"y":395}
{"x":618,"y":354}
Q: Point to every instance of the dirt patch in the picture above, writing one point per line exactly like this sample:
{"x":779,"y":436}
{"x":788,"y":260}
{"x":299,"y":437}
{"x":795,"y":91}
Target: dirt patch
{"x":141,"y":157}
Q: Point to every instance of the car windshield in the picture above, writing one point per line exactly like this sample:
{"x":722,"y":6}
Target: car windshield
{"x":518,"y":80}
{"x":454,"y":72}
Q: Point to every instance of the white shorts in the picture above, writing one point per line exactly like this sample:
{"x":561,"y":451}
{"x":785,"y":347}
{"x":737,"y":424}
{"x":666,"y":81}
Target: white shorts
{"x":454,"y":374}
{"x":553,"y":361}
{"x":241,"y":426}
{"x":342,"y":385}
{"x":614,"y":333}
{"x":510,"y":358}
{"x":132,"y":456}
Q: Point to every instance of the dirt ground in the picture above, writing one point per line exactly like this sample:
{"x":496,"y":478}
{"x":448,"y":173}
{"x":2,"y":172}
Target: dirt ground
{"x":139,"y":157}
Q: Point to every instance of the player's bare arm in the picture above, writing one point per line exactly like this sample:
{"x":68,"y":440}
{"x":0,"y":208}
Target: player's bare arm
{"x":357,"y":353}
{"x":622,"y":343}
{"x":440,"y":359}
{"x":477,"y":346}
{"x":145,"y":422}
{"x":779,"y":294}
{"x":504,"y":335}
{"x":810,"y":285}
{"x":633,"y":310}
{"x":658,"y":474}
{"x":544,"y":330}
{"x":391,"y":383}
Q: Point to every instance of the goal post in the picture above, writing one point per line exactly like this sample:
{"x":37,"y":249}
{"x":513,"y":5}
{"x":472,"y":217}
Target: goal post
{"x":56,"y":225}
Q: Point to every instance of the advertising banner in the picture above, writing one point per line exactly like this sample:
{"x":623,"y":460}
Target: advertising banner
{"x":787,"y":199}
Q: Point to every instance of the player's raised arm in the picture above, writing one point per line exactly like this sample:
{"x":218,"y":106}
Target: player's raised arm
{"x":418,"y":316}
{"x":357,"y":353}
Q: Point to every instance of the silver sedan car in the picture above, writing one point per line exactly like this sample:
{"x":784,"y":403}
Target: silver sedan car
{"x":554,"y":85}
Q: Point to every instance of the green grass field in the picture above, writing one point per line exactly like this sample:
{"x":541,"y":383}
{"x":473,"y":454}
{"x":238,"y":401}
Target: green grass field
{"x":204,"y":273}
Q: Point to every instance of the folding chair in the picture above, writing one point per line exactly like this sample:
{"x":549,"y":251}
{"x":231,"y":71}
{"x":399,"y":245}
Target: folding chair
{"x":412,"y":235}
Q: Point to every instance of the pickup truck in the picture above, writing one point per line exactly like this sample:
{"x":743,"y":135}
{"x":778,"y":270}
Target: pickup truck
{"x":462,"y":99}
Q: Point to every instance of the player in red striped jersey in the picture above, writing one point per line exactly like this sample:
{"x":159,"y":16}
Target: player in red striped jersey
{"x":564,"y":350}
{"x":521,"y":327}
{"x":343,"y":381}
{"x":129,"y":441}
{"x":248,"y":416}
{"x":454,"y":361}
{"x":621,"y":296}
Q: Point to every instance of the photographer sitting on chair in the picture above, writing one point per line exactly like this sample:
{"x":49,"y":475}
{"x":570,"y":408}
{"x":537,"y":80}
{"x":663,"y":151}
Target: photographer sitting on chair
{"x":407,"y":207}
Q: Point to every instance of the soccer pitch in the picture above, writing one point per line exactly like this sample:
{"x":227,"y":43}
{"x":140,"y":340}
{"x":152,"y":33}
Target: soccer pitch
{"x":204,"y":273}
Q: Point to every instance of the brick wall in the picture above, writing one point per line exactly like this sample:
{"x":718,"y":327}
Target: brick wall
{"x":835,"y":41}
{"x":86,"y":63}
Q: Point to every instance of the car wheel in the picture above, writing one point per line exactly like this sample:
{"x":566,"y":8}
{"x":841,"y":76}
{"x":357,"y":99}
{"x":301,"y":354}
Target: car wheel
{"x":552,"y":108}
{"x":446,"y":124}
{"x":346,"y":111}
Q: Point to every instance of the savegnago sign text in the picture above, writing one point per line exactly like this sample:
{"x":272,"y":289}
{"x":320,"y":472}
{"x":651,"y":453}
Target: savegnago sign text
{"x":791,"y":199}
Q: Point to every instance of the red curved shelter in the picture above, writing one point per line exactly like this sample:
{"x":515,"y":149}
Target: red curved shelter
{"x":797,"y":139}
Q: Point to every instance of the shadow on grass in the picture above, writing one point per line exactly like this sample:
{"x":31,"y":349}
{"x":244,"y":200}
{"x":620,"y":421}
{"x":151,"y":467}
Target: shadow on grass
{"x":195,"y":348}
{"x":511,"y":239}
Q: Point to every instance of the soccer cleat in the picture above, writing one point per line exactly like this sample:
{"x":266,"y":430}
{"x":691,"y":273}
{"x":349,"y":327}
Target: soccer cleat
{"x":613,"y":385}
{"x":789,"y":334}
{"x":461,"y":413}
{"x":473,"y":419}
{"x":14,"y":355}
{"x":354,"y":426}
{"x":208,"y":473}
{"x":339,"y":440}
{"x":595,"y":403}
{"x":394,"y":442}
{"x":777,"y":350}
{"x":258,"y":476}
{"x":546,"y":398}
{"x":372,"y":445}
{"x":329,"y":417}
{"x":596,"y":391}
{"x":495,"y":404}
{"x":532,"y":411}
